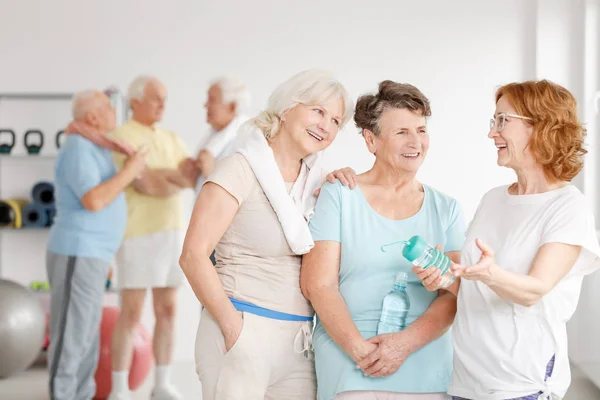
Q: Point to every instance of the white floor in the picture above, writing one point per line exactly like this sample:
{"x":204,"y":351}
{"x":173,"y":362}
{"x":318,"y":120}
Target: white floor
{"x":32,"y":385}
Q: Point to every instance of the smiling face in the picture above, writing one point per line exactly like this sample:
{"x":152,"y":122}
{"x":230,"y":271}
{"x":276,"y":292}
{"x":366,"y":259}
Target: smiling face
{"x":513,"y":139}
{"x":313,"y":127}
{"x":402,"y":142}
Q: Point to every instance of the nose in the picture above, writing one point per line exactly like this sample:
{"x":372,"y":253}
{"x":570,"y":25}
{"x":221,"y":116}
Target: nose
{"x":412,"y":139}
{"x":493,"y":133}
{"x":328,"y":125}
{"x":324,"y":125}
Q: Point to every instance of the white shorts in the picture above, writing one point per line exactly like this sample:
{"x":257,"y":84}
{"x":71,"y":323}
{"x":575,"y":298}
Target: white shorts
{"x":150,"y":261}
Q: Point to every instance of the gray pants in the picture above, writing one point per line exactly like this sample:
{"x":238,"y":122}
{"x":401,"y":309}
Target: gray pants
{"x":77,"y":288}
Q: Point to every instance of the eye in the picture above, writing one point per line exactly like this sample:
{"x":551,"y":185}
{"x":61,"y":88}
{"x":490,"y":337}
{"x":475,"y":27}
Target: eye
{"x":401,"y":132}
{"x":319,"y":111}
{"x":336,"y":121}
{"x":423,"y":131}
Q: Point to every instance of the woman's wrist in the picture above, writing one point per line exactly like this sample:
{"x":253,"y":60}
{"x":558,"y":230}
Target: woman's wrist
{"x":494,"y":276}
{"x":231,"y":325}
{"x":403,"y":339}
{"x":357,"y":349}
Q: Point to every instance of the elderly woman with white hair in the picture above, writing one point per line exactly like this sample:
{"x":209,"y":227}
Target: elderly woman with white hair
{"x":226,"y":106}
{"x":254,"y":333}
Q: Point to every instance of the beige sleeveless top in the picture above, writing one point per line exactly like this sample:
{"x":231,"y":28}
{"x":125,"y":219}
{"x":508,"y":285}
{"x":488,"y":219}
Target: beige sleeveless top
{"x":254,"y":260}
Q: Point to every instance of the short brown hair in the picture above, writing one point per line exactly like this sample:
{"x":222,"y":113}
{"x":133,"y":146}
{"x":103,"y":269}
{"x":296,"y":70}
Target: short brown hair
{"x":558,"y":136}
{"x":391,"y":94}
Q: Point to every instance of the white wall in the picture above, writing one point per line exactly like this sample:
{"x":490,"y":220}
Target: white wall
{"x":584,"y":328}
{"x":456,"y":52}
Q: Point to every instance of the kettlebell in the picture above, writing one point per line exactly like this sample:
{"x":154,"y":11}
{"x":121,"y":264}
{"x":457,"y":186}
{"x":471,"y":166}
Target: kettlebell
{"x":5,"y":148}
{"x":33,"y":148}
{"x":58,"y":136}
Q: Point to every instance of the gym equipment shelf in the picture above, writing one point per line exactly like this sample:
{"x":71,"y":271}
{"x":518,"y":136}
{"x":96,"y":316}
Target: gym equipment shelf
{"x":14,"y":160}
{"x":28,"y":156}
{"x":37,"y":96}
{"x":29,"y":229}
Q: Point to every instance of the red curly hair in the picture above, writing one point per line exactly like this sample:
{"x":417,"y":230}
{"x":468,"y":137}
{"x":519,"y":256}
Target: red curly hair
{"x":558,"y":136}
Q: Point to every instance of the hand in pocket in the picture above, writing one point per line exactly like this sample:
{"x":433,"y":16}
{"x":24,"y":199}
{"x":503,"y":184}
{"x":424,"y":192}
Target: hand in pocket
{"x":232,"y":334}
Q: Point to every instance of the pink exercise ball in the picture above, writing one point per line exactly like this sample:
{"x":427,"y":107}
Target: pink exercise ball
{"x":142,"y":355}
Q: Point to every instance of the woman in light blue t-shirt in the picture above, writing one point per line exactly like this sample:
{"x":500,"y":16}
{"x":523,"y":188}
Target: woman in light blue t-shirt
{"x":347,"y":275}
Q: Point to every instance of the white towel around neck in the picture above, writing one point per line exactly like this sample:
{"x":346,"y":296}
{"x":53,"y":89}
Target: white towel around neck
{"x":293,"y":209}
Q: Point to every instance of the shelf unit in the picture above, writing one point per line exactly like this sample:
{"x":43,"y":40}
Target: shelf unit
{"x":4,"y":157}
{"x":37,"y":96}
{"x":19,"y":111}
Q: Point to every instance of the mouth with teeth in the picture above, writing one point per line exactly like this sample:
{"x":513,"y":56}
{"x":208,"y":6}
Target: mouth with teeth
{"x":314,"y":135}
{"x":500,"y":146}
{"x":411,"y":156}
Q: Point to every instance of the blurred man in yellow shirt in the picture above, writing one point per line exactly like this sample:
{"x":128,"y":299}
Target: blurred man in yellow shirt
{"x":149,"y":255}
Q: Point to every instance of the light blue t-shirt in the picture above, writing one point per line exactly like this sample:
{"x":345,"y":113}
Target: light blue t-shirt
{"x":80,"y":166}
{"x":367,"y":274}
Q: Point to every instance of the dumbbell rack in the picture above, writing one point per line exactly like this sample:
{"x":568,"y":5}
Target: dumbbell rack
{"x":44,"y":163}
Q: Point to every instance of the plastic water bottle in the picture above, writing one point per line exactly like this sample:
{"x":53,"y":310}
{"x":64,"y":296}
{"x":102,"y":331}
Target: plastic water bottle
{"x":422,"y":254}
{"x":396,"y":305}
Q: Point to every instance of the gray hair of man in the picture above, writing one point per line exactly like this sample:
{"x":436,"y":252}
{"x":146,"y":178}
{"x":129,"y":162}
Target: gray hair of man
{"x":309,"y":87}
{"x":233,"y":91}
{"x":84,"y":102}
{"x":138,"y":86}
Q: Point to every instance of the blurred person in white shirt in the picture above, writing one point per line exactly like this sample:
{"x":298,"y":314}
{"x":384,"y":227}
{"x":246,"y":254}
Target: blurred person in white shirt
{"x":226,"y":105}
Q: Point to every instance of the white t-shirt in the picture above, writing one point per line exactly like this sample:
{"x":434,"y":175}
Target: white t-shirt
{"x":220,"y":144}
{"x":501,"y":349}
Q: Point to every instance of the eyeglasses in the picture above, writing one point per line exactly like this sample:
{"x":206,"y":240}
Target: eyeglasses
{"x":500,"y":120}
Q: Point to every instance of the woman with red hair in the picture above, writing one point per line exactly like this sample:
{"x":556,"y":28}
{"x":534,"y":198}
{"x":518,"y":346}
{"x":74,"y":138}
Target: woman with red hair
{"x":525,"y":255}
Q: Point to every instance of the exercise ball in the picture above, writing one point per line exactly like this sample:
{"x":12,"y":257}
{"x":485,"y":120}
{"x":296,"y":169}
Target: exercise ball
{"x":22,"y":328}
{"x":141,"y":362}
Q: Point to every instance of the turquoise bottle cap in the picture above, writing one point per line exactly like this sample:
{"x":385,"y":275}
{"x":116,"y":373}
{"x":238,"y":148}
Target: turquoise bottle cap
{"x":414,"y":248}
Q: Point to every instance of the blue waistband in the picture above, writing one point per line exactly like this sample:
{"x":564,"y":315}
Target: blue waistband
{"x":265,"y":312}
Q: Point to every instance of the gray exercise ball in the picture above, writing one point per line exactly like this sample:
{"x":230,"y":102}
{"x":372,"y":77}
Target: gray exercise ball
{"x":22,"y":328}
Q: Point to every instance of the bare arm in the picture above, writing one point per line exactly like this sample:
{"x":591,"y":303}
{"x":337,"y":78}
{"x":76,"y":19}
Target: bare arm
{"x":551,"y":264}
{"x":105,"y":193}
{"x":319,"y":282}
{"x":167,"y":182}
{"x":205,"y":162}
{"x":213,"y":212}
{"x":158,"y":183}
